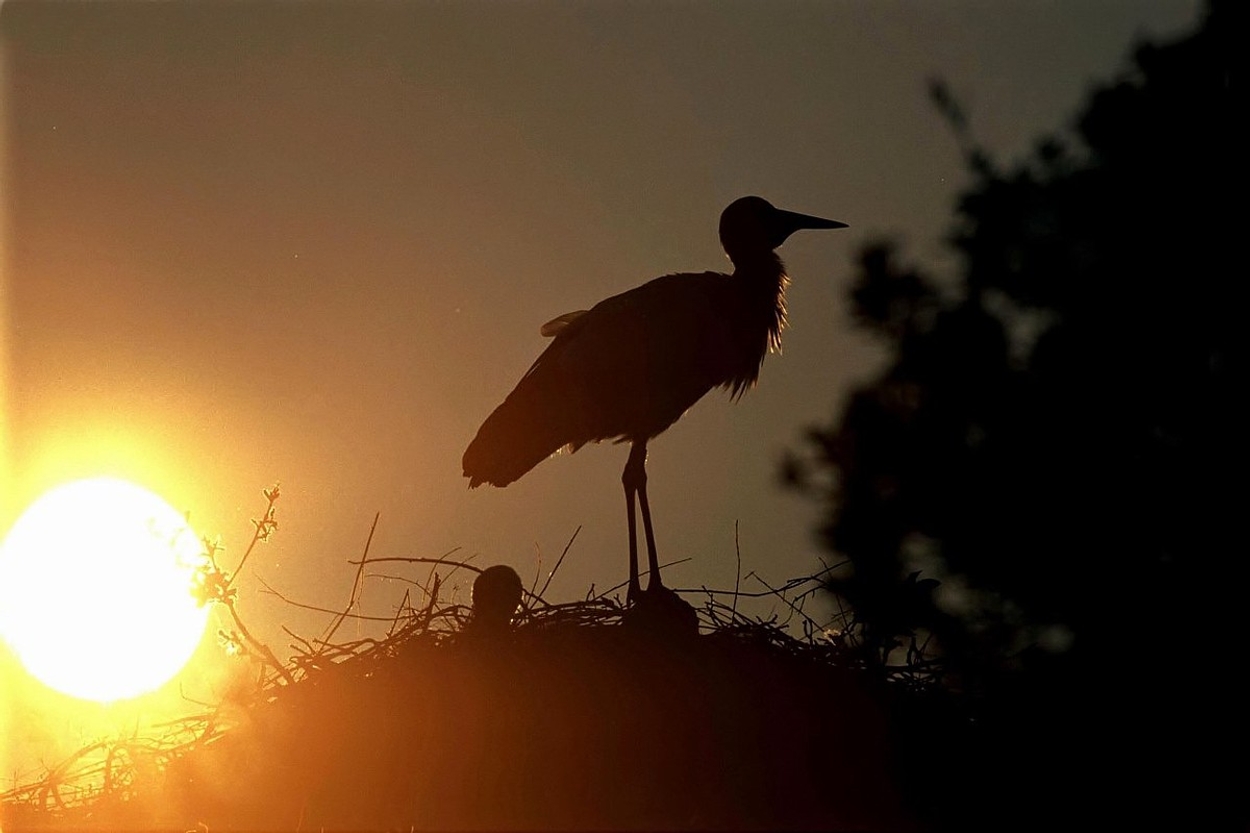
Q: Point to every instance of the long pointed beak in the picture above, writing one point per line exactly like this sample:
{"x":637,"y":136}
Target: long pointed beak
{"x":793,"y":221}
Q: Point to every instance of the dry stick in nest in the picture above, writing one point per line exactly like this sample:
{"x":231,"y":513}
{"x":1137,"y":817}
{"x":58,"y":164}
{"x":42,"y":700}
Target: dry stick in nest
{"x":50,"y":786}
{"x":412,"y":559}
{"x":48,"y":792}
{"x":738,"y":572}
{"x":311,"y":651}
{"x":774,"y":633}
{"x":431,"y":591}
{"x":48,"y":789}
{"x":362,"y":617}
{"x":403,"y":610}
{"x":586,"y":612}
{"x":846,"y":617}
{"x":357,"y":583}
{"x":916,"y":668}
{"x":778,"y":592}
{"x":421,"y":620}
{"x":559,"y":561}
{"x":268,"y":588}
{"x":616,"y":587}
{"x":258,"y":645}
{"x":324,"y":648}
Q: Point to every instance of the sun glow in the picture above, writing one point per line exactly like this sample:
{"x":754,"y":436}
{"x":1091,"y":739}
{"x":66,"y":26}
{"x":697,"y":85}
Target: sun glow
{"x":95,"y":590}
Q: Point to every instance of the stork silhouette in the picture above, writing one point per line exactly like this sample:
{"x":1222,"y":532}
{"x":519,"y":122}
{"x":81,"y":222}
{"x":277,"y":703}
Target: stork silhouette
{"x":629,"y":367}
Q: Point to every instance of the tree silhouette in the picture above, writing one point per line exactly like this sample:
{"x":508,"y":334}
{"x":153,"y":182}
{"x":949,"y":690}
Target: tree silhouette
{"x":1043,"y":477}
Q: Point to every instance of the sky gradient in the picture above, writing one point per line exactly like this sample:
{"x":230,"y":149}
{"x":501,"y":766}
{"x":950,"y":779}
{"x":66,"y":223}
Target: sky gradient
{"x":314,"y":244}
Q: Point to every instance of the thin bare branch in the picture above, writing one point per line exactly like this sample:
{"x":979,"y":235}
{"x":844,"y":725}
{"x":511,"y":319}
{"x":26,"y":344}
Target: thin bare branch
{"x":560,"y":561}
{"x":357,"y":583}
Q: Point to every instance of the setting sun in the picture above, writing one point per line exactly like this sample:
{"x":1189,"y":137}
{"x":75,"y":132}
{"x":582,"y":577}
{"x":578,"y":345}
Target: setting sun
{"x":95,"y":590}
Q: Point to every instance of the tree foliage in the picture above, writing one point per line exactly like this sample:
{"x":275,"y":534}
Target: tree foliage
{"x":1046,"y":475}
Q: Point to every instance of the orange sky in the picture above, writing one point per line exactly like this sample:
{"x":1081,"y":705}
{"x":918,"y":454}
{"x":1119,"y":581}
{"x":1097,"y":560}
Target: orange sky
{"x":314,"y":244}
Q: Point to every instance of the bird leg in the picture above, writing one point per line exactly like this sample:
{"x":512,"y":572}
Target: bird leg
{"x":635,"y":589}
{"x":635,"y":481}
{"x":652,"y":561}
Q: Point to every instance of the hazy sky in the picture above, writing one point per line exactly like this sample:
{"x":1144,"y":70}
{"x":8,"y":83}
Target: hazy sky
{"x":314,"y":244}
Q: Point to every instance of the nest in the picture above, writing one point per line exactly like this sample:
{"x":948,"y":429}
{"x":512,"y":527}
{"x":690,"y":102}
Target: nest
{"x":571,"y":715}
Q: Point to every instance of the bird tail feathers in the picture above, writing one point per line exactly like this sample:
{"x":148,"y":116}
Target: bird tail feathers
{"x":522,"y":432}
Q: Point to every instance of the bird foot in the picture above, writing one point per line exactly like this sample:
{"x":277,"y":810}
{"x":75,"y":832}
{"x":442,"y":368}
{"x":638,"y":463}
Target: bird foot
{"x":660,"y":611}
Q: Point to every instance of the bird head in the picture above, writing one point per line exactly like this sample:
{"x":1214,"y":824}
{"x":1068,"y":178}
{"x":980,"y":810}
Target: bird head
{"x":752,"y":226}
{"x":496,"y":594}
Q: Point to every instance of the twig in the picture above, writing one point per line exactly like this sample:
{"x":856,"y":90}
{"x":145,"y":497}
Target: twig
{"x":257,"y":645}
{"x":392,"y":577}
{"x":412,"y":559}
{"x":357,"y":584}
{"x":552,"y":574}
{"x":738,"y":574}
{"x":786,"y":601}
{"x":264,"y":529}
{"x":405,"y":604}
{"x":538,"y":568}
{"x":616,"y":587}
{"x":288,"y":600}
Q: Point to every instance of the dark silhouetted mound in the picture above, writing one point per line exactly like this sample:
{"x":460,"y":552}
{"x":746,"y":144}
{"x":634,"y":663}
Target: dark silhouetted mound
{"x":551,"y":726}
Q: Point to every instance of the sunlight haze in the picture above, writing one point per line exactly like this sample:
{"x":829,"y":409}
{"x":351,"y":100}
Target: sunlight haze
{"x":314,"y":244}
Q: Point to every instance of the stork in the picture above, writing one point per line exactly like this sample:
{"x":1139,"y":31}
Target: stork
{"x":630,"y":366}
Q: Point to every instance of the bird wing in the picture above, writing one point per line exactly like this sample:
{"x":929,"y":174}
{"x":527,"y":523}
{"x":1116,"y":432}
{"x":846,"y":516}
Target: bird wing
{"x":625,"y":369}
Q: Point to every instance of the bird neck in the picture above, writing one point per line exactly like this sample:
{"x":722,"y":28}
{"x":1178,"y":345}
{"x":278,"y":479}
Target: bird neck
{"x":764,"y":280}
